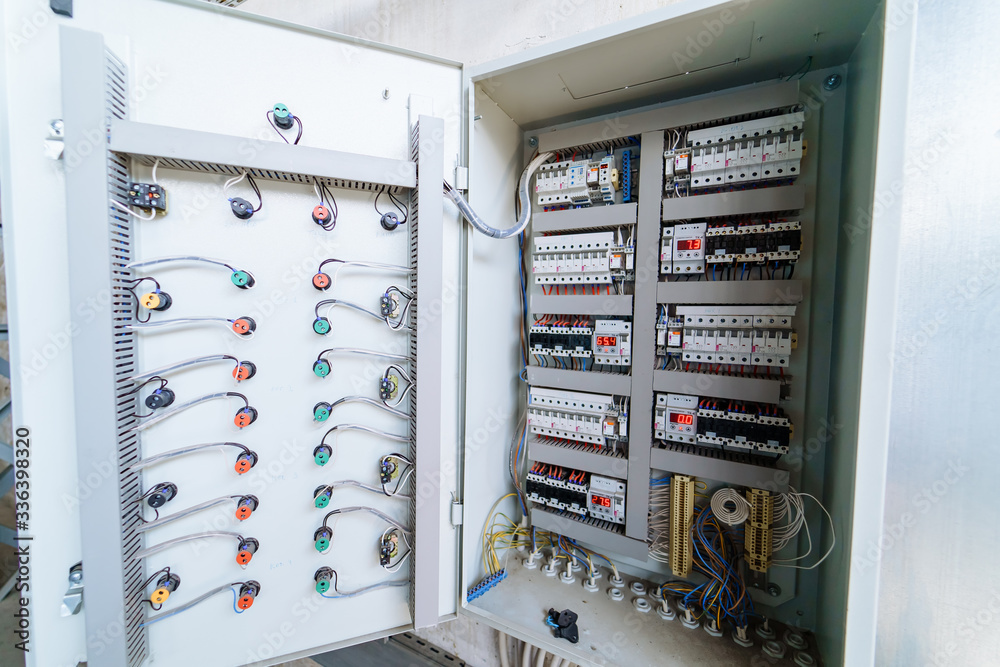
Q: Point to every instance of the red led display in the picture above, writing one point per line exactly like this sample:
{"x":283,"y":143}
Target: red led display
{"x":603,"y":501}
{"x":607,"y":341}
{"x":680,"y":418}
{"x":690,"y":244}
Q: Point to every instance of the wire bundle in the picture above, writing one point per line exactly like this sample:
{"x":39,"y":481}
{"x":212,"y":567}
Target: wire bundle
{"x":730,"y":507}
{"x":659,"y":519}
{"x":790,"y":507}
{"x":724,"y":596}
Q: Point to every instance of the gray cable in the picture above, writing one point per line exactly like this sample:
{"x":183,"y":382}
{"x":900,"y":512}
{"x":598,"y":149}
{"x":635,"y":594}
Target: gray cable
{"x":188,"y":605}
{"x":179,"y":258}
{"x":181,"y":451}
{"x":186,"y":512}
{"x":364,"y":508}
{"x":370,"y":353}
{"x":369,"y":401}
{"x":360,"y":591}
{"x":184,"y":364}
{"x":179,"y":408}
{"x":523,"y":197}
{"x":368,"y":429}
{"x":157,"y":548}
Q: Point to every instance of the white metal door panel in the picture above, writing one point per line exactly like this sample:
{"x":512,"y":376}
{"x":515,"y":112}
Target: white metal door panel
{"x":197,"y":67}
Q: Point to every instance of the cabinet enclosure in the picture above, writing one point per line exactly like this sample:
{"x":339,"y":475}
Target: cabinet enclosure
{"x":179,"y":91}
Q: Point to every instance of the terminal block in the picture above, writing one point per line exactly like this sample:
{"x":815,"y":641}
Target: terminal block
{"x":681,"y":515}
{"x":757,"y":543}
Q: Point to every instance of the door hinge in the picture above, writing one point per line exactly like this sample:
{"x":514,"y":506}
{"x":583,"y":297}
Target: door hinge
{"x":461,"y":178}
{"x":457,"y":512}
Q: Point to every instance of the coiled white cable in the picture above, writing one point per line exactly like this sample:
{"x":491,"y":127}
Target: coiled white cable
{"x":730,"y":507}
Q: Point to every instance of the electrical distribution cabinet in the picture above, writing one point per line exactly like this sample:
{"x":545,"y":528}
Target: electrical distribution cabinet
{"x":291,"y":371}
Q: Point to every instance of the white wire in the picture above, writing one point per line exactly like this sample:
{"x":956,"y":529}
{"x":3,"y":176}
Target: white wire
{"x":734,"y":516}
{"x":156,"y":163}
{"x":126,"y":209}
{"x":233,"y":181}
{"x":833,"y":533}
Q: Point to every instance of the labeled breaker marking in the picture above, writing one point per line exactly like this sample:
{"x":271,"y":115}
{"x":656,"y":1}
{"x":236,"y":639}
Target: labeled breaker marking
{"x":589,"y":259}
{"x":593,"y":418}
{"x":743,"y":335}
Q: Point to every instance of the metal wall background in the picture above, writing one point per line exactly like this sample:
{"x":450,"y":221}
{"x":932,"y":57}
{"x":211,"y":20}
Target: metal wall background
{"x":939,"y":597}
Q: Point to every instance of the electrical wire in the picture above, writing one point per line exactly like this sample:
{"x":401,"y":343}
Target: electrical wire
{"x":192,"y":603}
{"x":270,"y":112}
{"x":189,"y":258}
{"x":157,"y":548}
{"x":386,"y":378}
{"x":188,"y":320}
{"x":730,"y":507}
{"x":397,"y":204}
{"x":341,"y":263}
{"x":149,"y":525}
{"x":388,"y":319}
{"x":364,"y":508}
{"x":128,"y":210}
{"x":524,"y":202}
{"x":145,"y":463}
{"x":326,"y":196}
{"x":253,"y":184}
{"x":361,"y":591}
{"x":185,"y":364}
{"x":191,"y":403}
{"x":794,"y":509}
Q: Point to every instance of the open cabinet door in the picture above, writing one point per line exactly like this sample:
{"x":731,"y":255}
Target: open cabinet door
{"x":213,"y":415}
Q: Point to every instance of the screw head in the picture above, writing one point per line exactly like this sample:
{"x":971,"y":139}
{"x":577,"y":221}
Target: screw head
{"x":832,"y":82}
{"x":773,"y":590}
{"x":532,"y":141}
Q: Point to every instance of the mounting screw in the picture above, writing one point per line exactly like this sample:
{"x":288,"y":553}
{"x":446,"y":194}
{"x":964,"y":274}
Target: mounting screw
{"x":773,"y":590}
{"x":832,"y":82}
{"x":385,"y":93}
{"x":532,"y":141}
{"x":477,"y":117}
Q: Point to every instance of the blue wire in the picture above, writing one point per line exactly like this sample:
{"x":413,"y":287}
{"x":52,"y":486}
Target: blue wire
{"x":234,"y":602}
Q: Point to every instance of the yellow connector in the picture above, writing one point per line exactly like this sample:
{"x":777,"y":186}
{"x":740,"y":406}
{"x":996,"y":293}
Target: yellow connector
{"x":757,"y":534}
{"x":160,"y":595}
{"x":681,"y":514}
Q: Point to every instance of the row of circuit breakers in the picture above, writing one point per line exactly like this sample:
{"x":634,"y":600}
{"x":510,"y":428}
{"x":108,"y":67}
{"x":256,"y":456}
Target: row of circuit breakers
{"x":741,"y":335}
{"x":580,"y":493}
{"x":590,"y":182}
{"x":701,"y":247}
{"x":722,"y":423}
{"x":765,"y":149}
{"x":606,"y":342}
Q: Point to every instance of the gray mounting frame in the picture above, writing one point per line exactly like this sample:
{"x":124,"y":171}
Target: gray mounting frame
{"x":804,"y":197}
{"x":94,"y":90}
